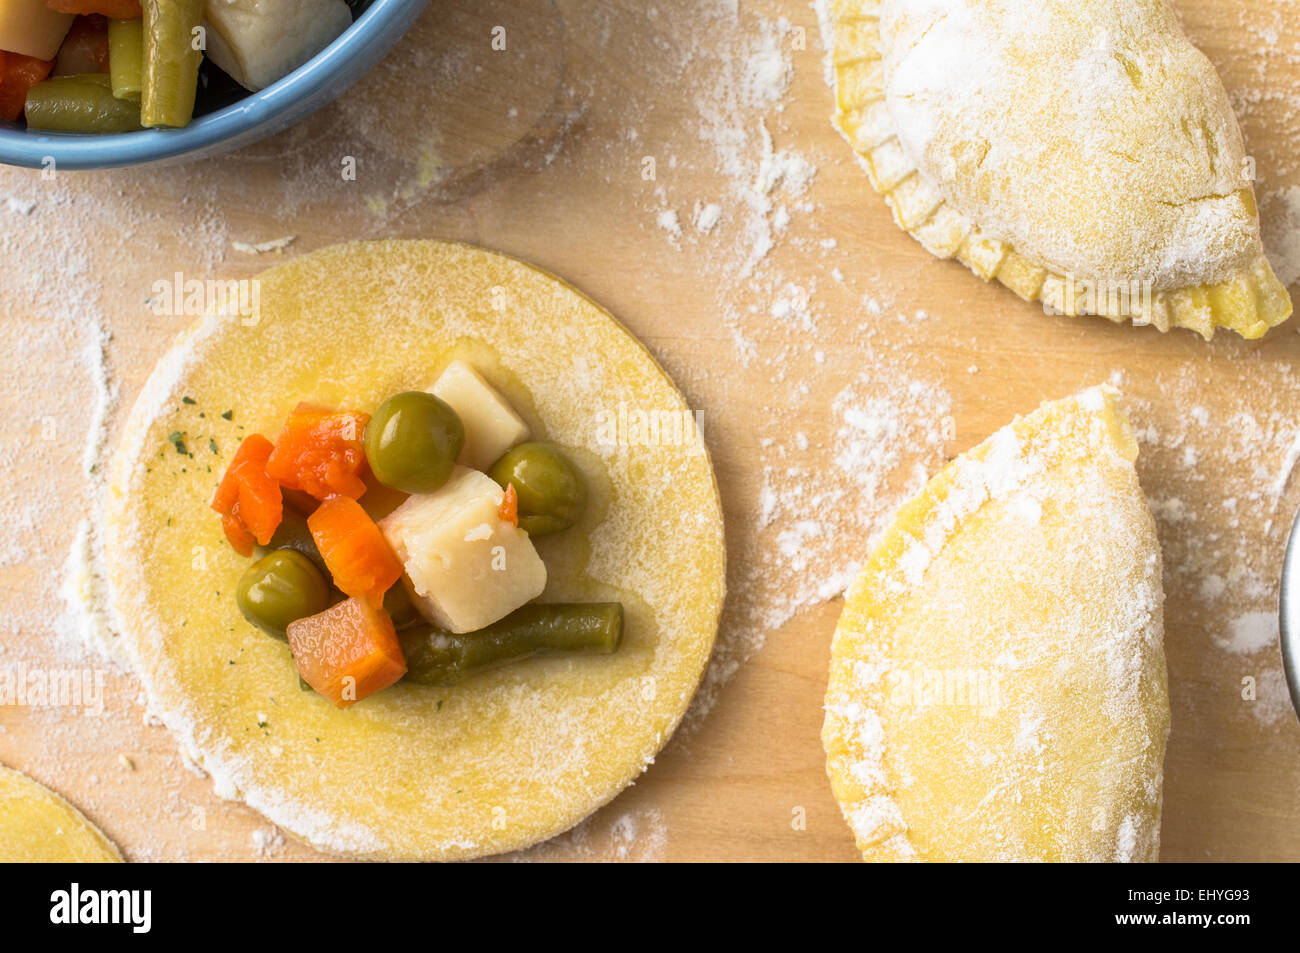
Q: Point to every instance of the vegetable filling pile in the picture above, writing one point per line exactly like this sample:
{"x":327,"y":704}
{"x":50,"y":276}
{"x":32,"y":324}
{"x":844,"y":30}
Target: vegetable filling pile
{"x":398,"y":546}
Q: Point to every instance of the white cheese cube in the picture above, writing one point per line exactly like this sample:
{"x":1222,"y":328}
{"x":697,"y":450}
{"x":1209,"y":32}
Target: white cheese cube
{"x":491,"y":425}
{"x":466,"y":567}
{"x":31,"y":28}
{"x":260,"y":41}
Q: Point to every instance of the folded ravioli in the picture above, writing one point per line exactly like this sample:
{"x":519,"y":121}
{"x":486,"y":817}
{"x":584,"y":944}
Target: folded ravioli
{"x":997,"y":685}
{"x":39,"y":827}
{"x":1082,"y":152}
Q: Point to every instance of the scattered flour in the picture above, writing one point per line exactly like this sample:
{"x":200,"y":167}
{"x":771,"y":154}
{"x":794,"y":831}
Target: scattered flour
{"x":636,"y":836}
{"x":706,"y":217}
{"x":84,"y":620}
{"x":1285,"y":472}
{"x":267,"y":841}
{"x":261,"y":248}
{"x":1272,"y":704}
{"x":1281,"y":224}
{"x":669,"y":222}
{"x":1249,"y":633}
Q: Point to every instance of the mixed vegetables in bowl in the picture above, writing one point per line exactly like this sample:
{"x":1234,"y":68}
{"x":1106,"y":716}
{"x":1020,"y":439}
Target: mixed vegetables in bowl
{"x":115,"y":66}
{"x":397,"y":546}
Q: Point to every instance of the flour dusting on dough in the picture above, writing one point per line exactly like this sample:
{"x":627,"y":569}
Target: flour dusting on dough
{"x":635,"y":836}
{"x":894,"y":677}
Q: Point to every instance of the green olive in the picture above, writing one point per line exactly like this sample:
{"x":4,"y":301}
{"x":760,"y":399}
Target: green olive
{"x":280,"y":588}
{"x":552,"y":493}
{"x":293,"y":533}
{"x":412,"y":442}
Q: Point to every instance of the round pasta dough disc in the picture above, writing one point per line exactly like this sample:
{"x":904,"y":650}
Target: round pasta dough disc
{"x":39,"y":827}
{"x":513,"y":756}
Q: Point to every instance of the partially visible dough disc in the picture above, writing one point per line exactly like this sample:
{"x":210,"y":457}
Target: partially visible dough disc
{"x":39,"y":827}
{"x":508,"y":758}
{"x":997,"y":687}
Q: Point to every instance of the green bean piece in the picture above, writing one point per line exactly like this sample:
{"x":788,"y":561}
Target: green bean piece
{"x":170,"y":63}
{"x":400,"y":608}
{"x":79,"y":104}
{"x":293,"y":533}
{"x":126,"y":57}
{"x":436,"y":657}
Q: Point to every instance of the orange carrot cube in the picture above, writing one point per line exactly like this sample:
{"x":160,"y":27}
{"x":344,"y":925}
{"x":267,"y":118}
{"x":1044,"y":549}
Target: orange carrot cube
{"x":347,"y":652}
{"x":248,"y":500}
{"x":354,"y":549}
{"x":18,"y":74}
{"x":320,"y":452}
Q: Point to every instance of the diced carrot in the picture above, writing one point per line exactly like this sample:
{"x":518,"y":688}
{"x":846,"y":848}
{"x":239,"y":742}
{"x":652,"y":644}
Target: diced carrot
{"x":348,"y":651}
{"x":320,"y":452}
{"x":117,"y":9}
{"x":354,"y":549}
{"x":18,"y":74}
{"x":509,"y":509}
{"x":84,"y":49}
{"x":248,"y":500}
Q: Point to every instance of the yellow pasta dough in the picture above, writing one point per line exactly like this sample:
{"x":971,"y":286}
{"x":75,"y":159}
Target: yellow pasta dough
{"x":39,"y":827}
{"x":997,"y":686}
{"x":507,"y":758}
{"x":1082,"y":152}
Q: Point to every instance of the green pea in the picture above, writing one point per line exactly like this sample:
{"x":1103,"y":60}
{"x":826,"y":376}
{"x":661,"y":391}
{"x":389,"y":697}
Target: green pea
{"x":552,"y":493}
{"x":412,"y":442}
{"x":280,"y":588}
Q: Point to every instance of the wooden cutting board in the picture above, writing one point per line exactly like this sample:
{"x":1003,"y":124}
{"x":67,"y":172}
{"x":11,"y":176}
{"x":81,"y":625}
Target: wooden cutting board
{"x":594,"y":145}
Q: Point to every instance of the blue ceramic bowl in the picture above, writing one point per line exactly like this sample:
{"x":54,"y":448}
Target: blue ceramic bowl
{"x":251,"y":118}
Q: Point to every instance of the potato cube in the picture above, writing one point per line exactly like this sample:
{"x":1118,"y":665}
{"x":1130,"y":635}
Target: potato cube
{"x":491,"y":425}
{"x":31,"y":28}
{"x":260,"y":41}
{"x":466,"y":567}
